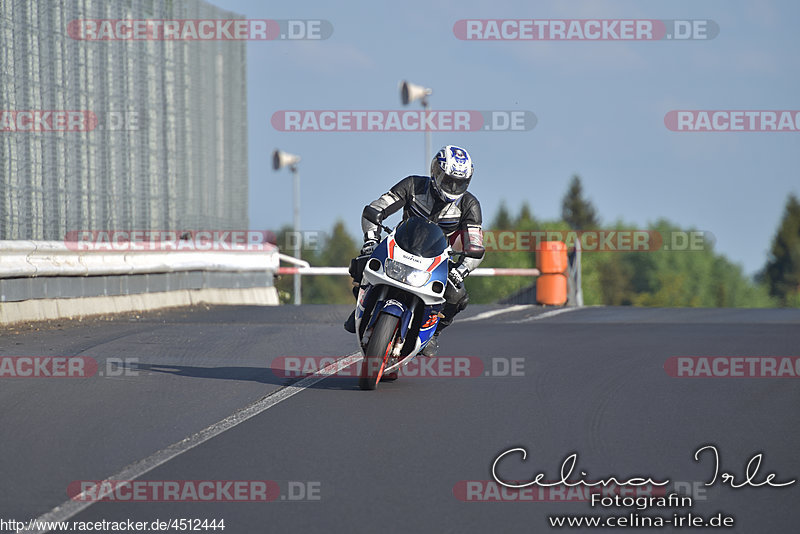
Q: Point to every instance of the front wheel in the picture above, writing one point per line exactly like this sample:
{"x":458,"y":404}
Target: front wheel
{"x":377,"y":353}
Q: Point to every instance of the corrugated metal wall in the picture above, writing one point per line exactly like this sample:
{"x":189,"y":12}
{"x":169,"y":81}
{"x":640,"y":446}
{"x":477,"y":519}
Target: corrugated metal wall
{"x":183,"y":165}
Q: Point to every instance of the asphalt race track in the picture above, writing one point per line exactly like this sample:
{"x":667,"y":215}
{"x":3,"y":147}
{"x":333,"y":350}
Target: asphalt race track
{"x":415,"y":455}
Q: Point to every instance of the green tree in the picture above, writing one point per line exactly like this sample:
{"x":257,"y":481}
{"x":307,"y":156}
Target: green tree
{"x":502,"y":221}
{"x":693,"y":278}
{"x":333,"y":250}
{"x":336,"y":250}
{"x":577,"y":211}
{"x":782,"y":272}
{"x":525,"y":220}
{"x":615,"y":277}
{"x":491,"y":289}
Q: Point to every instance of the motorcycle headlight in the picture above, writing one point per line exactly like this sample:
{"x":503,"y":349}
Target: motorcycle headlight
{"x":408,"y":275}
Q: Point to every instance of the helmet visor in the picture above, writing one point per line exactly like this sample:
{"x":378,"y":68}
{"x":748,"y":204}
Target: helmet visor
{"x":453,"y":185}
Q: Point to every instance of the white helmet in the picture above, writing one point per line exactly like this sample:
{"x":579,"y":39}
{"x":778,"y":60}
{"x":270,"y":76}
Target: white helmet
{"x":451,"y":172}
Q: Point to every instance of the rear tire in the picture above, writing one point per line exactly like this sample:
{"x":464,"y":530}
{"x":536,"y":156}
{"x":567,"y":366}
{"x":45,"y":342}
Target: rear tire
{"x":380,"y":343}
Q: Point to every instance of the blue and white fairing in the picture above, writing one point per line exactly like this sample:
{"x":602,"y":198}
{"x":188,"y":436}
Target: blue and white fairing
{"x":413,"y":258}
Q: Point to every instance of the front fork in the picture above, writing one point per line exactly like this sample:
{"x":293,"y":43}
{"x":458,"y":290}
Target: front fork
{"x":400,"y":310}
{"x":405,"y":312}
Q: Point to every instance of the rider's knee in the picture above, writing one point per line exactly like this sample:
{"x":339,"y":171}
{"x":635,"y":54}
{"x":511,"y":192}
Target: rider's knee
{"x":463,"y":301}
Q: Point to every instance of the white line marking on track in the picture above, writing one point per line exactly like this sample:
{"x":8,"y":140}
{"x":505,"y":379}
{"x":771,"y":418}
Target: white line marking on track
{"x":545,"y":315}
{"x":493,"y":313}
{"x":71,"y":507}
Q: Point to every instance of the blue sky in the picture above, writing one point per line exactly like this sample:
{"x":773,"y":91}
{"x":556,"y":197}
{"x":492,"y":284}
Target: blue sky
{"x":600,"y":109}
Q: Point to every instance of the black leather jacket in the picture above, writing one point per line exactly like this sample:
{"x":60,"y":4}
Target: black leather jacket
{"x":460,"y":221}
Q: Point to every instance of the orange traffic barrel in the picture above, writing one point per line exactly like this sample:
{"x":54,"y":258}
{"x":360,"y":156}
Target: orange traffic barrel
{"x":551,"y":257}
{"x":551,"y":289}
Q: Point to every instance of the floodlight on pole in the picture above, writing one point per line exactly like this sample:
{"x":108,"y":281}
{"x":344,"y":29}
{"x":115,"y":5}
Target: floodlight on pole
{"x":282,"y":159}
{"x":410,"y":92}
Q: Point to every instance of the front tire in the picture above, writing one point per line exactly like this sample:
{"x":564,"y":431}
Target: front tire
{"x":377,"y":353}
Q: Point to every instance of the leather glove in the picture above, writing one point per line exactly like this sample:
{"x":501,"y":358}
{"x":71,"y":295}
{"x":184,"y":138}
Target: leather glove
{"x":369,"y":247}
{"x":457,"y":276}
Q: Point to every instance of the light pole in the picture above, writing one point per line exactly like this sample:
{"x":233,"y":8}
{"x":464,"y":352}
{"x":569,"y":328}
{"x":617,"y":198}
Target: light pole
{"x":410,"y":92}
{"x":284,"y":159}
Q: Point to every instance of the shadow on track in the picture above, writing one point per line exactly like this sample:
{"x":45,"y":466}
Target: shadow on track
{"x":250,"y":374}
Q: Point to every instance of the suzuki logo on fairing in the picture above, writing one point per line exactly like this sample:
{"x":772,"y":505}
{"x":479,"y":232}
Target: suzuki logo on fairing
{"x":411,"y":258}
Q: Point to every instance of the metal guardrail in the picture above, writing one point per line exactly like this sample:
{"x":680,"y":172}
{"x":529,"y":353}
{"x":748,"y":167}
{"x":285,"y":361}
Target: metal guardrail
{"x":20,"y":259}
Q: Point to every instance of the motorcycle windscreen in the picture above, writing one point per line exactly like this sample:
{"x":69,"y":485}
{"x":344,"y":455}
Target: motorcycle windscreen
{"x":421,"y":237}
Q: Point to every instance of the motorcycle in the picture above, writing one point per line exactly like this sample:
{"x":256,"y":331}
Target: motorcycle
{"x":401,"y":294}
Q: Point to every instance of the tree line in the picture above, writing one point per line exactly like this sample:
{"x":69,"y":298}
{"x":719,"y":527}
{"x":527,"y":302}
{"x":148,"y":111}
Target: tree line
{"x":690,"y":277}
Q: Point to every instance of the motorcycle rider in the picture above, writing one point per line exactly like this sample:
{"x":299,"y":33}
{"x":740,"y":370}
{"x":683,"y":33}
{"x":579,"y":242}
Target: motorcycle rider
{"x":443,"y":199}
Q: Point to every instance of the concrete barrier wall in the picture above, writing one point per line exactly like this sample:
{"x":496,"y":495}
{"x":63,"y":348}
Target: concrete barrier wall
{"x":41,"y":280}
